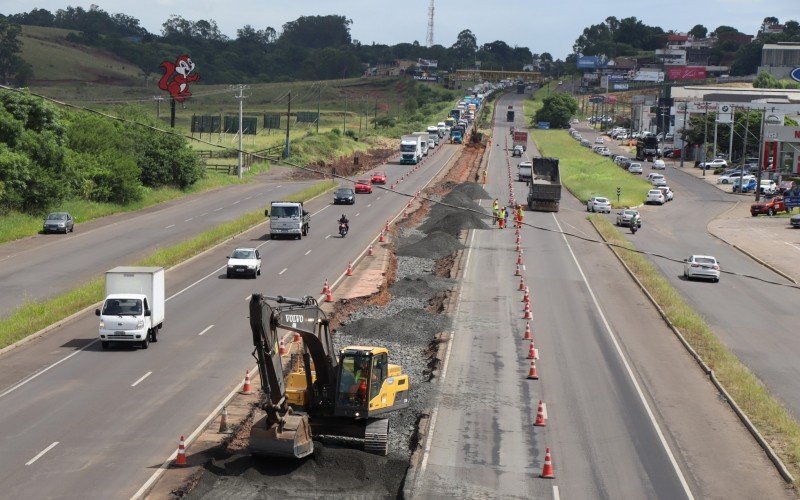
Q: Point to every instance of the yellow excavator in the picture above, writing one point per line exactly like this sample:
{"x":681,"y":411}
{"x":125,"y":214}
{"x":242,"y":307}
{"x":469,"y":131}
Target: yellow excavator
{"x":323,"y":393}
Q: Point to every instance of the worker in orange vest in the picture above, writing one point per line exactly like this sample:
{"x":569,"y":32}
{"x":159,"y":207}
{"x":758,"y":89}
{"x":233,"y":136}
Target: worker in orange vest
{"x":502,"y":217}
{"x":520,"y":212}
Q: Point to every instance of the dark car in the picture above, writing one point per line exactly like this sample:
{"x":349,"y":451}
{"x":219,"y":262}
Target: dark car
{"x":59,"y":222}
{"x":344,"y":196}
{"x":795,"y":220}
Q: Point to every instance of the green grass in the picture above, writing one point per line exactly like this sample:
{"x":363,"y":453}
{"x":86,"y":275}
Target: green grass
{"x":34,"y":316}
{"x":586,"y":174}
{"x":765,"y":411}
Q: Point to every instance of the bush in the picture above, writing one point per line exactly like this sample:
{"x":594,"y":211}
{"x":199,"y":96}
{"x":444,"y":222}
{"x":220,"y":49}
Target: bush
{"x":351,"y":134}
{"x":336,"y":131}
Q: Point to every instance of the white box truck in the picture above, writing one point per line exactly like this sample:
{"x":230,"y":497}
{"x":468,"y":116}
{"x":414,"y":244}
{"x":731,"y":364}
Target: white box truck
{"x":410,"y":150}
{"x":423,"y":142}
{"x":133,"y":310}
{"x":288,"y":218}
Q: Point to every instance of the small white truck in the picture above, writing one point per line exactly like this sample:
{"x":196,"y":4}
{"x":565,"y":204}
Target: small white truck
{"x":410,"y":150}
{"x":133,"y":310}
{"x":287,"y":218}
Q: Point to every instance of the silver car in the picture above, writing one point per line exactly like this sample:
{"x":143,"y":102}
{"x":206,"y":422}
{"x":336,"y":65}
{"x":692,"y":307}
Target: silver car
{"x":59,"y":222}
{"x":624,"y":218}
{"x":598,"y":204}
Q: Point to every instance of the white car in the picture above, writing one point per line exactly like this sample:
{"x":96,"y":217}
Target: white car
{"x":598,"y":204}
{"x":668,"y":194}
{"x":658,"y":180}
{"x":716,"y":162}
{"x":701,"y":266}
{"x":604,"y":151}
{"x":635,"y":168}
{"x":659,"y":165}
{"x":599,"y":140}
{"x":768,"y":187}
{"x":244,"y":262}
{"x":729,"y":178}
{"x":655,"y":196}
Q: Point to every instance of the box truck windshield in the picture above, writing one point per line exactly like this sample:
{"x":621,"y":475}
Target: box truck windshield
{"x":279,"y":212}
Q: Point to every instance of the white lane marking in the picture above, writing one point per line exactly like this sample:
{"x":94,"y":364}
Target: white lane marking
{"x":327,"y":236}
{"x":248,"y":297}
{"x":435,"y":411}
{"x":171,"y":225}
{"x":308,"y":252}
{"x":279,"y":186}
{"x":793,"y":245}
{"x":369,"y":205}
{"x":235,"y":202}
{"x":628,"y":369}
{"x":187,"y":220}
{"x":284,"y":270}
{"x":37,"y":457}
{"x":203,"y":214}
{"x":358,"y":213}
{"x":143,"y":377}
{"x":209,"y":327}
{"x":378,"y":198}
{"x":555,"y":493}
{"x":189,"y":439}
{"x":218,"y":209}
{"x":575,"y":228}
{"x":248,"y":197}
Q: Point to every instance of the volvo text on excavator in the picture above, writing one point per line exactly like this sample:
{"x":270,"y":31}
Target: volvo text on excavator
{"x":322,"y":393}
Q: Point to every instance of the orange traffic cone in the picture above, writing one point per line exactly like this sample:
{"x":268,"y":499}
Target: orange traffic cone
{"x":527,"y":335}
{"x":527,"y":313}
{"x":526,"y":297}
{"x":518,"y":247}
{"x":223,"y":421}
{"x":349,"y":268}
{"x":282,"y":348}
{"x":386,"y":228}
{"x":532,"y":373}
{"x":325,"y":287}
{"x":547,"y":470}
{"x":540,"y":420}
{"x":519,"y":258}
{"x":517,"y":273}
{"x":532,"y":351}
{"x":246,"y":388}
{"x":329,"y":296}
{"x":369,"y":252}
{"x":381,"y":239}
{"x":180,"y":460}
{"x":521,"y":285}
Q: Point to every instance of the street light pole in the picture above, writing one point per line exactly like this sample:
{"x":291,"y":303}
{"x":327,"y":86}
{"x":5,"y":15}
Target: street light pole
{"x":683,"y":131}
{"x":705,"y":137}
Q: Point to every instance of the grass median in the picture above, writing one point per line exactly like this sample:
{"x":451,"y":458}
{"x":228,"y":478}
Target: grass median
{"x":34,"y":316}
{"x":586,"y":174}
{"x":774,"y":422}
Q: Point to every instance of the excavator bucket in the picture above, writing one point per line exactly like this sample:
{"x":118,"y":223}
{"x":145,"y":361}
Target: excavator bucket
{"x":291,"y":439}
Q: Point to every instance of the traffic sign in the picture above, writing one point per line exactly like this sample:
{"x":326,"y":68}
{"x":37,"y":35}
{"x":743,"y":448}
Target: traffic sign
{"x":795,"y":74}
{"x":619,"y":192}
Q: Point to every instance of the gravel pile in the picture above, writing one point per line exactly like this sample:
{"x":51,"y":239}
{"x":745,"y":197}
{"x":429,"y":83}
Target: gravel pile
{"x":414,"y":266}
{"x":407,"y":326}
{"x":434,"y":246}
{"x":420,"y":286}
{"x":454,"y":222}
{"x":473,"y":190}
{"x":394,"y":306}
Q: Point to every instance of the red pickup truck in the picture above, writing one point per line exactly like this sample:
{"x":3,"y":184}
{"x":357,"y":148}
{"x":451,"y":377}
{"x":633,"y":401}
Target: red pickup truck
{"x":769,"y":207}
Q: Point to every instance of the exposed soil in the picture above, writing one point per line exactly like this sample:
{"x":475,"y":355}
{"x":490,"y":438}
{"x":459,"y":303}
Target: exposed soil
{"x":345,"y":165}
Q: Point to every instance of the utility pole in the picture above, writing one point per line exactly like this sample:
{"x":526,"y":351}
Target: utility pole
{"x":288,"y":120}
{"x":761,"y":155}
{"x":241,"y":98}
{"x":716,"y":123}
{"x":344,"y":116}
{"x":744,"y":146}
{"x":158,"y":100}
{"x":319,"y":95}
{"x":375,"y":124}
{"x":683,"y":132}
{"x":172,"y":112}
{"x":705,"y":137}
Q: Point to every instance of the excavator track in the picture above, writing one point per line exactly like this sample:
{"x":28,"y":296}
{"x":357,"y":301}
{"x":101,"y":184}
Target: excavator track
{"x":376,"y":437}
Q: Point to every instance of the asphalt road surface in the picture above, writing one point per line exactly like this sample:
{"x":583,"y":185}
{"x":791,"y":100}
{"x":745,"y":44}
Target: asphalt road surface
{"x":81,"y":422}
{"x":629,"y":413}
{"x":756,"y":320}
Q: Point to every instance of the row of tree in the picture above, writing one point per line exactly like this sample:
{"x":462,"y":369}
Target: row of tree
{"x":48,"y":155}
{"x":310,"y":47}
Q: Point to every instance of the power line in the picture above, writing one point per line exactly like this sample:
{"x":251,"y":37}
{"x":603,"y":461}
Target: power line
{"x":390,"y":190}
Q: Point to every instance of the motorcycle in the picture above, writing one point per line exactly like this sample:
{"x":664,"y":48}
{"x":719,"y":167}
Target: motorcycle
{"x":343,"y":229}
{"x":635,"y":226}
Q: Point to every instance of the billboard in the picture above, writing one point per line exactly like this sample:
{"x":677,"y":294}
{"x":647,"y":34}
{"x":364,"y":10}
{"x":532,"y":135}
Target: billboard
{"x":671,"y":57}
{"x":686,"y":73}
{"x":725,"y":113}
{"x":427,"y":63}
{"x":648,"y":75}
{"x":795,"y":74}
{"x":590,"y":62}
{"x":620,"y":86}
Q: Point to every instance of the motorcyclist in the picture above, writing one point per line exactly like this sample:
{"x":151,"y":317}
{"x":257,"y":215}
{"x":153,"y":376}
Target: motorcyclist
{"x":635,"y":223}
{"x":344,"y":220}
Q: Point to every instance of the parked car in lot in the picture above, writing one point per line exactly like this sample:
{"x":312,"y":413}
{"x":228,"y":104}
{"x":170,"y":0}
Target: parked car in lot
{"x":344,"y":196}
{"x":672,"y":153}
{"x":585,"y":143}
{"x":715,"y":163}
{"x":749,"y":185}
{"x":701,"y":266}
{"x":624,"y":218}
{"x":598,"y":204}
{"x":655,"y":196}
{"x":619,"y":159}
{"x":635,"y":168}
{"x":244,"y":262}
{"x":658,"y":180}
{"x":769,"y":207}
{"x":599,"y":140}
{"x":767,"y":187}
{"x":378,"y":178}
{"x":727,"y":178}
{"x":604,"y":151}
{"x":59,"y":222}
{"x":363,"y":186}
{"x":659,"y":164}
{"x":669,"y":195}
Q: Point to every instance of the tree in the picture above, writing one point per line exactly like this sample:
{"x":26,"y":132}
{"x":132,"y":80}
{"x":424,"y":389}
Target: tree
{"x":768,"y":21}
{"x":724,"y":29}
{"x":317,"y":32}
{"x":466,"y":44}
{"x":10,"y":47}
{"x":557,"y":109}
{"x":698,"y":31}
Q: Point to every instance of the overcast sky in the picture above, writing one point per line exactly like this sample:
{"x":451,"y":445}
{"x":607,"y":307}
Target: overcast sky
{"x":543,"y":26}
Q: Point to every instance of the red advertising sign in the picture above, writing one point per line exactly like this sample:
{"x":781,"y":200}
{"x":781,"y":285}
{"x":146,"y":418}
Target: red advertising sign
{"x":686,"y":73}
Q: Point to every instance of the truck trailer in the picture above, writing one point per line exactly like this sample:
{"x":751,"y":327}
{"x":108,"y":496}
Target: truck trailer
{"x":544,"y":194}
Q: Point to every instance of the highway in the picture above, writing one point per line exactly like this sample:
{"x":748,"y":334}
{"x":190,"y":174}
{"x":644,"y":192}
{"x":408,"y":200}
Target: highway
{"x":80,"y":422}
{"x":629,"y":414}
{"x":756,"y":320}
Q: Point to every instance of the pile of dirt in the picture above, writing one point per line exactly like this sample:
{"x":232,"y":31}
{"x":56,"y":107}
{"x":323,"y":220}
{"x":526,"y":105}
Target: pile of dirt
{"x":346,"y":165}
{"x":454,"y":222}
{"x":464,"y":213}
{"x":473,"y":190}
{"x":436,"y":245}
{"x":420,"y":286}
{"x":408,"y":325}
{"x":329,"y":472}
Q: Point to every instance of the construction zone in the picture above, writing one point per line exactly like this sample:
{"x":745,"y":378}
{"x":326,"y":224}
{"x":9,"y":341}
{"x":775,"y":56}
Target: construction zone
{"x":387,"y":319}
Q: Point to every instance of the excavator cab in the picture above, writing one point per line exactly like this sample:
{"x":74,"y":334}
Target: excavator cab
{"x":367,"y":384}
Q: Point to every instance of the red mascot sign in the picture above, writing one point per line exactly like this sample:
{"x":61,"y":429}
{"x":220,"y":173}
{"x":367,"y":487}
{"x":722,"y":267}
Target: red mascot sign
{"x":177,"y":76}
